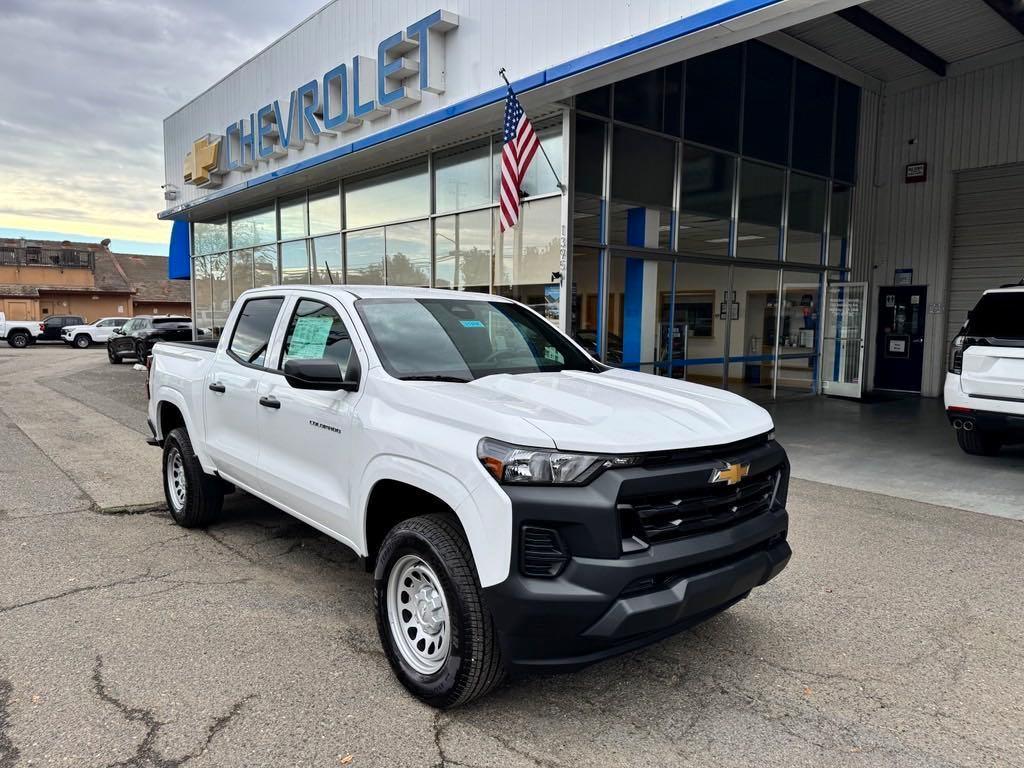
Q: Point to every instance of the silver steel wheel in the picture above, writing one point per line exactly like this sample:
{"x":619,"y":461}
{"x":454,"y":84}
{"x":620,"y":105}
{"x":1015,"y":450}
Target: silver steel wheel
{"x":177,"y":483}
{"x":418,"y":615}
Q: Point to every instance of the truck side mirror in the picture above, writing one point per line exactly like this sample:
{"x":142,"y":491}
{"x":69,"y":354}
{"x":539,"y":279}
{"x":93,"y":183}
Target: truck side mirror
{"x":323,"y":375}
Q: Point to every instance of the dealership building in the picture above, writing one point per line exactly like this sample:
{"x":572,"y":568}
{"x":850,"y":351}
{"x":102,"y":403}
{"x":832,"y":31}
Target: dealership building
{"x":778,"y":197}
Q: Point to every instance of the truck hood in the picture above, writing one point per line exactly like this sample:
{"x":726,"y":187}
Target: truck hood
{"x":616,"y":411}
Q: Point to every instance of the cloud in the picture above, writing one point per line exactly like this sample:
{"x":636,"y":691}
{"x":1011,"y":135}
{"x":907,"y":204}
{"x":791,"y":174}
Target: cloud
{"x":85,"y":87}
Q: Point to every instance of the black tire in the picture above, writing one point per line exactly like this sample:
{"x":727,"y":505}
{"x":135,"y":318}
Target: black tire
{"x":141,"y":353}
{"x":112,"y":357}
{"x":82,"y":341}
{"x":979,"y":443}
{"x":202,"y":496}
{"x":473,"y":666}
{"x":18,"y":339}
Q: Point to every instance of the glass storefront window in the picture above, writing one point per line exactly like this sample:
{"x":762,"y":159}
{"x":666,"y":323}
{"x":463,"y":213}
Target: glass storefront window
{"x":295,"y":263}
{"x":839,"y":227}
{"x":847,"y":117}
{"x":364,"y":251}
{"x":463,"y":249}
{"x":798,"y":331}
{"x":705,"y":201}
{"x":766,"y":103}
{"x":807,"y":197}
{"x":393,"y":196}
{"x":641,"y":206}
{"x":292,"y":213}
{"x":265,"y":266}
{"x":762,"y":188}
{"x":588,"y":206}
{"x":254,"y":227}
{"x":597,"y":101}
{"x":326,"y":254}
{"x":202,"y":305}
{"x":529,"y":254}
{"x":462,"y":177}
{"x":210,"y":236}
{"x":219,"y":291}
{"x":241,"y":272}
{"x":538,"y":180}
{"x":586,"y":264}
{"x":812,"y":129}
{"x":713,"y":87}
{"x":753,"y":308}
{"x":408,"y":254}
{"x":324,"y":210}
{"x":651,"y":100}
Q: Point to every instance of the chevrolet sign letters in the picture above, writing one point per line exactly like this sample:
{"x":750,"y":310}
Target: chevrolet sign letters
{"x":366,"y":89}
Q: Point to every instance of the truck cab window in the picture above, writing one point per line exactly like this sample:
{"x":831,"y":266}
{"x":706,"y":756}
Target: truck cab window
{"x":252,"y":330}
{"x":316,"y":332}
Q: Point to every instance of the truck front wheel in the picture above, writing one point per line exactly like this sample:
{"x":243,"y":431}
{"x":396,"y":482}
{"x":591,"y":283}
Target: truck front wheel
{"x":194,"y":498}
{"x":436,"y":632}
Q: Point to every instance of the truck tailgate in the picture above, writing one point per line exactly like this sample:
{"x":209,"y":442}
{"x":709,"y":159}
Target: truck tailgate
{"x":994,"y":372}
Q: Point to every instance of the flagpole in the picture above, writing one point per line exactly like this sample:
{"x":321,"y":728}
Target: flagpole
{"x":558,"y":180}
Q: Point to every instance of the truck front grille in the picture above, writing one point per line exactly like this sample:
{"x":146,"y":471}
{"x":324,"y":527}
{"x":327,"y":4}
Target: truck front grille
{"x":670,"y":516}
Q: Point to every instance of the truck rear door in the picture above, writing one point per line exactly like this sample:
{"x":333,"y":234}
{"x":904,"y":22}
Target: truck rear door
{"x":232,"y":395}
{"x":993,"y":361}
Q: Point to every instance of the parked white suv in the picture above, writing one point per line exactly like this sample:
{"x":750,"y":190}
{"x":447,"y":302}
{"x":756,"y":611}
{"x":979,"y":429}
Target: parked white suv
{"x":984,"y":392}
{"x":522,"y":506}
{"x":92,"y":333}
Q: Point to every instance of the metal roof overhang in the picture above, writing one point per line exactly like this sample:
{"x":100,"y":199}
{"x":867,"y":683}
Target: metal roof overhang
{"x":726,"y":24}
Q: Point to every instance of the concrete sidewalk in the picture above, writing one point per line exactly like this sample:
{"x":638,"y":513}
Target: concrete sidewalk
{"x":87,"y":416}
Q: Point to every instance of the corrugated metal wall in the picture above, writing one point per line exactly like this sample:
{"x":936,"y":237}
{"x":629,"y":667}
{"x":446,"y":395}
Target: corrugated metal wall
{"x":971,"y":120}
{"x":988,"y":236}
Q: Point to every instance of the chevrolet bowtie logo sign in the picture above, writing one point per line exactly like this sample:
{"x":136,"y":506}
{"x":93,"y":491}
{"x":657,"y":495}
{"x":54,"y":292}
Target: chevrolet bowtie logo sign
{"x":202,"y":164}
{"x":730,"y":474}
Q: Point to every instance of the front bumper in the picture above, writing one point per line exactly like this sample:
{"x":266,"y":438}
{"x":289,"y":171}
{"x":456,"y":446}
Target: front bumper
{"x":606,"y":601}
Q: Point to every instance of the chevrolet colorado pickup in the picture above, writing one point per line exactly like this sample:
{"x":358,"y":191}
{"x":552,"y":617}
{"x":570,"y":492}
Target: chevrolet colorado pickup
{"x":522,"y":506}
{"x":19,"y":333}
{"x":984,"y":390}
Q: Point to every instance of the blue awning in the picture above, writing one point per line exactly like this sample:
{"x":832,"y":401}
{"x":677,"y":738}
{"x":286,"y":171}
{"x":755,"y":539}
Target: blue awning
{"x":179,"y":266}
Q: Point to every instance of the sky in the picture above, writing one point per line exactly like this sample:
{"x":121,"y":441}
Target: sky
{"x":85,"y":86}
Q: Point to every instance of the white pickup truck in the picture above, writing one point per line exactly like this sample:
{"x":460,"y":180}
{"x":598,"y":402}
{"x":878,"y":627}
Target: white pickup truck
{"x":521,"y":506}
{"x":984,"y":390}
{"x":18,"y":333}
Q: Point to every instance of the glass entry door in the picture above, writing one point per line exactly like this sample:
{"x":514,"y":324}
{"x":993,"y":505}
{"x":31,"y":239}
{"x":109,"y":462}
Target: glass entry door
{"x":843,"y":340}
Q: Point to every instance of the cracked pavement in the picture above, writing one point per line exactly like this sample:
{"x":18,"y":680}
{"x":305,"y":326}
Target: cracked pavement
{"x":893,"y":639}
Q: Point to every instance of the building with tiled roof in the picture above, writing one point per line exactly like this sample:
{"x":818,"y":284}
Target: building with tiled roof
{"x":39,"y":278}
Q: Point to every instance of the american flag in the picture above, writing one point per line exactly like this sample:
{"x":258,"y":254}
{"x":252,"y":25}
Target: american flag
{"x":520,"y":145}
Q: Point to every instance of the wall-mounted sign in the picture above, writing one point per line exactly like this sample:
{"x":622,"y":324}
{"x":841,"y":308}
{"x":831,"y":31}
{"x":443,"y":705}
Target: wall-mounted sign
{"x":904,"y":277}
{"x":915,"y":173}
{"x":340,"y":100}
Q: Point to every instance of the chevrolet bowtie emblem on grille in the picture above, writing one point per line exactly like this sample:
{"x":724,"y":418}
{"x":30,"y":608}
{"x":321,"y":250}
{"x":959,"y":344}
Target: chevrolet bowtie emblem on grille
{"x":730,"y":474}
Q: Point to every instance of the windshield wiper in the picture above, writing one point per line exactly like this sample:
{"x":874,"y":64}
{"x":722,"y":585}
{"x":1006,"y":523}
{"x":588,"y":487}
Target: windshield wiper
{"x":435,"y":378}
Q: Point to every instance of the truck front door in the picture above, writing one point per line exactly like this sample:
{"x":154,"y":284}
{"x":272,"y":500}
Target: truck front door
{"x":233,"y":400}
{"x":307,"y":449}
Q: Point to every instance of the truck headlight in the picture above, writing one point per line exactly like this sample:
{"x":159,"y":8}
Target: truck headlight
{"x":521,"y":465}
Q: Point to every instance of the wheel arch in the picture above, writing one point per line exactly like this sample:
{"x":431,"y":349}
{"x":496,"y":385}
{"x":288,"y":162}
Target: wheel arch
{"x":399,"y":488}
{"x":171,"y":412}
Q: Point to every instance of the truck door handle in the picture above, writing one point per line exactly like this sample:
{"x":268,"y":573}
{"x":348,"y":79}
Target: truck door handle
{"x":270,"y":402}
{"x":217,"y":387}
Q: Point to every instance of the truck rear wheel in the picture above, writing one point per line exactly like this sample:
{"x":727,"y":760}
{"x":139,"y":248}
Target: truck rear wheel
{"x":194,"y":498}
{"x":978,"y":443}
{"x":437,"y":635}
{"x":18,"y":339}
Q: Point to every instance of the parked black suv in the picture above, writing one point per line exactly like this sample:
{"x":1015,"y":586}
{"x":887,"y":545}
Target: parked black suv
{"x":50,"y":329}
{"x":137,"y":337}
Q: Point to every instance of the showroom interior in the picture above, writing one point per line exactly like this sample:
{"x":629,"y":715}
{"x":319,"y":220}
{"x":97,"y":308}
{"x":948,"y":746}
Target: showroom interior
{"x":806,"y":210}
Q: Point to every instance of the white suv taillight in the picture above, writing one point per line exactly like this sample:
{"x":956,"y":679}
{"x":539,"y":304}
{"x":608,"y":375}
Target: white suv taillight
{"x":956,"y":355}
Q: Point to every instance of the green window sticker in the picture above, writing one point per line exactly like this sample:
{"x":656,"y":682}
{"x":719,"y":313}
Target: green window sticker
{"x":309,"y":338}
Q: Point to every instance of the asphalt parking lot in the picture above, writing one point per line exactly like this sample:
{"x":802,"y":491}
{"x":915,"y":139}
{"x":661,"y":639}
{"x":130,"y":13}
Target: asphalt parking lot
{"x":893,"y":639}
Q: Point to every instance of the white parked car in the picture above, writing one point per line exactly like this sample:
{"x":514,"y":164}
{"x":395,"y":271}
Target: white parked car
{"x":92,"y":333}
{"x":984,"y":392}
{"x":522,"y":506}
{"x":18,"y":333}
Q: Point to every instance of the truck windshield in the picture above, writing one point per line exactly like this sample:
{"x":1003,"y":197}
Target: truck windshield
{"x":462,"y":340}
{"x":998,"y":315}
